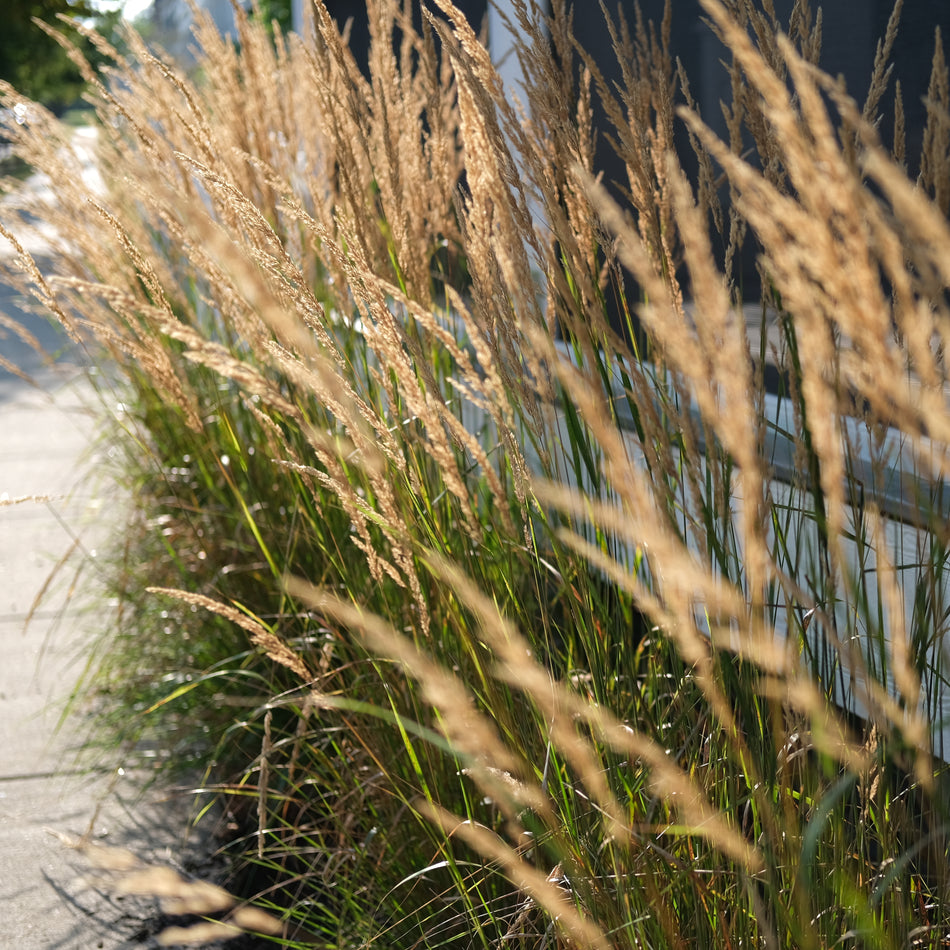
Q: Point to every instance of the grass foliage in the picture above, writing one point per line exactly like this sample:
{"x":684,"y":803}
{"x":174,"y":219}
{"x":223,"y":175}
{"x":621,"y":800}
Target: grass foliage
{"x":470,"y":558}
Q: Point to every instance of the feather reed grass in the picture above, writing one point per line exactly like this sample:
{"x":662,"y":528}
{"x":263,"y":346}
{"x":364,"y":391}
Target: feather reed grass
{"x":494,"y":622}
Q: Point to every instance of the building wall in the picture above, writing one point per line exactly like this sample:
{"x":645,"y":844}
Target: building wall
{"x":171,"y":21}
{"x":850,"y":33}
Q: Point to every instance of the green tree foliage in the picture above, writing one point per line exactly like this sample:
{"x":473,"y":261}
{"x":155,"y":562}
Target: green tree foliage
{"x":32,"y":60}
{"x":279,"y":12}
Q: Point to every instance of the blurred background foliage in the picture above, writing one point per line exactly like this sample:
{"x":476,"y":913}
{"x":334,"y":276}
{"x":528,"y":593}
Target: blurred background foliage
{"x":279,"y":12}
{"x":34,"y":62}
{"x":38,"y":67}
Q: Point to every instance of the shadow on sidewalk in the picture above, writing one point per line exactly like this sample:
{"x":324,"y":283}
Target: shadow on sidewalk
{"x":58,"y":355}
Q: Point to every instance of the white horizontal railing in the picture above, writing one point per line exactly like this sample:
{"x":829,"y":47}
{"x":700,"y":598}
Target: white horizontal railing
{"x":887,"y":476}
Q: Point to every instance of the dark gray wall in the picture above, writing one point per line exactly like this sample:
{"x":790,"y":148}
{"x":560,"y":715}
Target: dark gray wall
{"x":851,"y":31}
{"x":355,"y":10}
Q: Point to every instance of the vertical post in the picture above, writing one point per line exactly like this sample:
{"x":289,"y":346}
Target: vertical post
{"x":296,"y":15}
{"x":501,"y":44}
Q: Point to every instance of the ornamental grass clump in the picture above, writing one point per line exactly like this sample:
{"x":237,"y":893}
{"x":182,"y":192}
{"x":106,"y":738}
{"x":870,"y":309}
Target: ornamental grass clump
{"x":473,"y":561}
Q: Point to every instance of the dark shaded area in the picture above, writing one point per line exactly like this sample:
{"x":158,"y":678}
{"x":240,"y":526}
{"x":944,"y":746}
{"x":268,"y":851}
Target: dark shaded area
{"x":850,"y":34}
{"x":354,"y":12}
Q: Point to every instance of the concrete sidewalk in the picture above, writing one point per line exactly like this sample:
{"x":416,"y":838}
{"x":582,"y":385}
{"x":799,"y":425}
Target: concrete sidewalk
{"x":48,"y":450}
{"x":45,"y":450}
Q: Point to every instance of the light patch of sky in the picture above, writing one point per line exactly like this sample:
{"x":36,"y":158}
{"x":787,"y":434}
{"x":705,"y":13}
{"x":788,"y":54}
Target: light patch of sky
{"x":131,"y":9}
